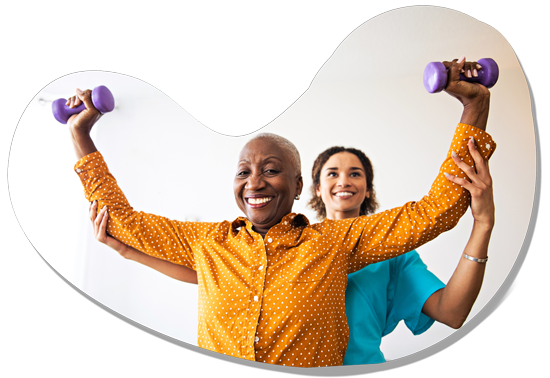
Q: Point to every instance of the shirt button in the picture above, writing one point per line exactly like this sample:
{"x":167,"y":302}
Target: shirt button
{"x":255,"y":298}
{"x":256,"y":339}
{"x":269,"y":240}
{"x":488,"y":146}
{"x":78,"y":170}
{"x":261,"y":267}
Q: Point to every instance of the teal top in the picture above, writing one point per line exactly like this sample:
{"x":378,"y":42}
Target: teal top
{"x":379,"y":296}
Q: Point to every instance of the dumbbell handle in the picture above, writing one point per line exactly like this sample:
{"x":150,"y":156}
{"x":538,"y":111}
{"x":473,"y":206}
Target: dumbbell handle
{"x":102,"y":98}
{"x":435,"y":75}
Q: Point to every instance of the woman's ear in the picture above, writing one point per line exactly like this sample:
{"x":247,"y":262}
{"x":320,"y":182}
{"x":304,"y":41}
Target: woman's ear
{"x":318,"y":191}
{"x":299,"y":185}
{"x":368,"y":194}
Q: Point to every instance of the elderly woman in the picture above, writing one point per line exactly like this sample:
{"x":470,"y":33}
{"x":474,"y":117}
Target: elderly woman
{"x":380,"y":295}
{"x":271,"y":285}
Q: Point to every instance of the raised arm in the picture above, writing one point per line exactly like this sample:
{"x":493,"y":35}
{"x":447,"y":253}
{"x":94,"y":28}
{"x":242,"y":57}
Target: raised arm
{"x":452,"y":304}
{"x":391,"y":233}
{"x":81,"y":124}
{"x":175,"y":271}
{"x":157,"y":236}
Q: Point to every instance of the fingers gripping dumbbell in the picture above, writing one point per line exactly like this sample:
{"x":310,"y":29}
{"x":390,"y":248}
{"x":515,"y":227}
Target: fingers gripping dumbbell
{"x":435,"y":75}
{"x":102,"y":98}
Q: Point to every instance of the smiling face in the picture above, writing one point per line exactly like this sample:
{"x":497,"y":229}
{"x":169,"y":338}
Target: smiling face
{"x":343,"y":186}
{"x":266,"y":183}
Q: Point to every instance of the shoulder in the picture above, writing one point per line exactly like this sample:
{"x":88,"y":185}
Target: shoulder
{"x":373,"y":274}
{"x":409,"y":272}
{"x":406,"y":260}
{"x":408,"y":269}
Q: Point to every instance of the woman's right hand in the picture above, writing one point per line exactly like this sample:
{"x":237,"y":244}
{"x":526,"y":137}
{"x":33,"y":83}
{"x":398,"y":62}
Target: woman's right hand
{"x":85,"y":120}
{"x":99,"y":222}
{"x":462,"y":90}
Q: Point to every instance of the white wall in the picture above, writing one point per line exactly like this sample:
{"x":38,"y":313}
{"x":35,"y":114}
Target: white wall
{"x":371,"y":88}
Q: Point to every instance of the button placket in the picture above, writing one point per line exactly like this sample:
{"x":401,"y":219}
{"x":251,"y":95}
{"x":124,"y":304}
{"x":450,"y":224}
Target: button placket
{"x":258,"y":288}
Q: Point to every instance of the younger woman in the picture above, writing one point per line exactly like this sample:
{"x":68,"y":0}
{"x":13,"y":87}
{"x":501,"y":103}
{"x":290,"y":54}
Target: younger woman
{"x":380,"y":295}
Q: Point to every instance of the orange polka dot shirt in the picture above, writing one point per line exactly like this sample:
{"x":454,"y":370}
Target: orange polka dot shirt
{"x":280,"y":299}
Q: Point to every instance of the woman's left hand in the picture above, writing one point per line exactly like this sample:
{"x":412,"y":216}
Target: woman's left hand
{"x":99,"y":222}
{"x":480,"y":186}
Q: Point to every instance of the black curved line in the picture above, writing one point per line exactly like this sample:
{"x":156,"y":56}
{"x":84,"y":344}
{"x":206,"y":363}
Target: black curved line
{"x":506,"y":290}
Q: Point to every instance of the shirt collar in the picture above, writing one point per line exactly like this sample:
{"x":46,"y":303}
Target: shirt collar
{"x":294,"y":219}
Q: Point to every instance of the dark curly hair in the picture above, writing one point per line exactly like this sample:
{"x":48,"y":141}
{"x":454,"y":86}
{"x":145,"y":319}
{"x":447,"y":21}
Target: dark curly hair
{"x":316,"y":203}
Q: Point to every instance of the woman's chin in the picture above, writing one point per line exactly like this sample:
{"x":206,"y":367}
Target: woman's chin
{"x":262,"y":221}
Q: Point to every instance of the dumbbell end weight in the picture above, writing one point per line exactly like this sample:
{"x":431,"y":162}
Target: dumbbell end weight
{"x":488,"y":74}
{"x":102,"y":98}
{"x":435,"y":77}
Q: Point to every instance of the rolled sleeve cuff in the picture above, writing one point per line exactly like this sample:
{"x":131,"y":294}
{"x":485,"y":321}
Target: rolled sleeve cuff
{"x":90,"y":169}
{"x":484,"y":142}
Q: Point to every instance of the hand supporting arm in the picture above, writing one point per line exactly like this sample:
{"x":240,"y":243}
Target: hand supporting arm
{"x":452,"y":304}
{"x":175,"y":271}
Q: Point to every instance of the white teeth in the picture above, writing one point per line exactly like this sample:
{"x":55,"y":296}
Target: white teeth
{"x":344,"y":194}
{"x":257,"y":201}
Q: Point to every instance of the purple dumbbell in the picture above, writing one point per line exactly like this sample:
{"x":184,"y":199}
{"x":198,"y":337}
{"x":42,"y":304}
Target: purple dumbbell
{"x":102,"y":98}
{"x":435,"y":75}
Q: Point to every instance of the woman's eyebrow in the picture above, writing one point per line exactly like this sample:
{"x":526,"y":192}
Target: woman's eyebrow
{"x":273,"y":157}
{"x":336,"y":168}
{"x":245,"y":160}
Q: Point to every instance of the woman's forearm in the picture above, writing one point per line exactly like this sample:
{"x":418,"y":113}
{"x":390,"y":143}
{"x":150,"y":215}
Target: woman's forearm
{"x":452,"y":304}
{"x":175,"y":271}
{"x":82,"y":143}
{"x":476,"y":111}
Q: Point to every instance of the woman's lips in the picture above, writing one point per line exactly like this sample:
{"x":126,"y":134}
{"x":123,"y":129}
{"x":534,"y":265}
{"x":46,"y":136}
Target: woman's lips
{"x":258,"y":202}
{"x":343,"y":195}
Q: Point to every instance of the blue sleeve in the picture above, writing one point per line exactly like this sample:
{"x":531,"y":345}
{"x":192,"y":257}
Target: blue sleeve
{"x":411,"y":285}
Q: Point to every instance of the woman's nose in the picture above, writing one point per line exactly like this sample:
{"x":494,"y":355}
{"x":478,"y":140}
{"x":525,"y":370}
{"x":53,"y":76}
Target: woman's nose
{"x":254,"y":182}
{"x":343,"y":181}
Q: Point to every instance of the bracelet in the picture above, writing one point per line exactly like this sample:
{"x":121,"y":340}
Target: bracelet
{"x":475,"y":259}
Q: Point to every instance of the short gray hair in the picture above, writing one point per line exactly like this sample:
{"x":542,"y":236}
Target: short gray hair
{"x":285,"y":144}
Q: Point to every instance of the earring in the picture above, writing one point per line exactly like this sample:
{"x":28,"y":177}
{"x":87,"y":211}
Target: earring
{"x":297,"y":197}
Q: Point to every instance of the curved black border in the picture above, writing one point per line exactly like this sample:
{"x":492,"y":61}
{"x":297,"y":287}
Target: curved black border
{"x":509,"y":285}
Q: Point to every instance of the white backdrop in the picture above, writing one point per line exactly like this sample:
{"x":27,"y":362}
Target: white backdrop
{"x":236,"y":68}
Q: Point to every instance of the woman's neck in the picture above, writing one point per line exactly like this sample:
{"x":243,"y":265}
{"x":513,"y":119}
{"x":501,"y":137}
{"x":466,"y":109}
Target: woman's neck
{"x":338,"y":215}
{"x":260,"y":231}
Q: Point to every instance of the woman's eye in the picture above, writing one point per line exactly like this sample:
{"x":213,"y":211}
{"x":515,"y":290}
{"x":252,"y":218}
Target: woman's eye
{"x":242,"y":173}
{"x":331,"y":174}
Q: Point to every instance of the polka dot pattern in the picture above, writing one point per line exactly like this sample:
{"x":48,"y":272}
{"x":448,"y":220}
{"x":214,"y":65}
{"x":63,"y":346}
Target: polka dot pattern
{"x":280,"y":300}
